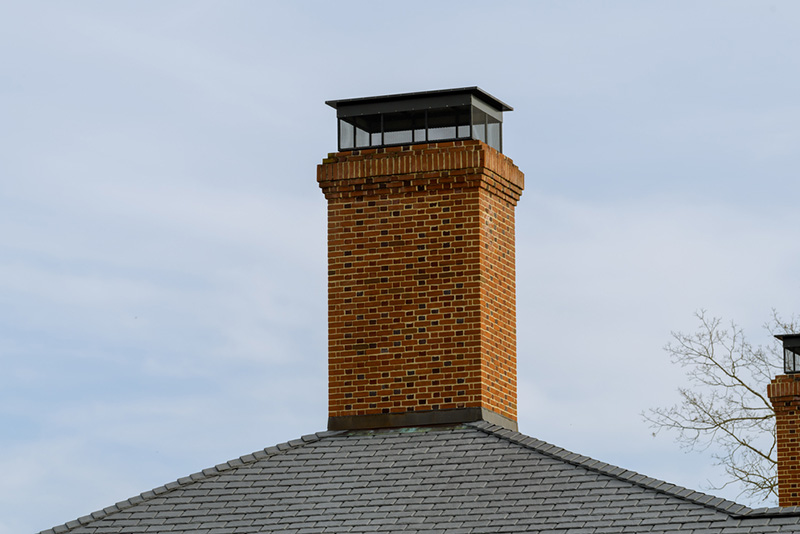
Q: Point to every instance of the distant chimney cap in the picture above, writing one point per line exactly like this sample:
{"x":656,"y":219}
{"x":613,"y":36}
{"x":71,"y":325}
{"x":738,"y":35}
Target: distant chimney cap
{"x":422,"y":117}
{"x":791,"y":352}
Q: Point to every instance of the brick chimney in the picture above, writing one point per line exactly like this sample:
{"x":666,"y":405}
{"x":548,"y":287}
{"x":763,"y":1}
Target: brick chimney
{"x":421,"y":273}
{"x":784,"y":393}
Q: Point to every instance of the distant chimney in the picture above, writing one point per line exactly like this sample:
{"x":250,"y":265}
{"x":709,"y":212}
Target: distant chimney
{"x":421,"y":281}
{"x":784,"y":393}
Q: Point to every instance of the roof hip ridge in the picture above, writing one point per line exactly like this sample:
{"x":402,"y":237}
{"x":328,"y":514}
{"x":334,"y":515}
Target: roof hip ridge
{"x":733,"y":509}
{"x":246,"y":459}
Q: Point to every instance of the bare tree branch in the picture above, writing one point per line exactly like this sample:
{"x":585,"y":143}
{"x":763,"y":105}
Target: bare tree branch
{"x":726,"y":409}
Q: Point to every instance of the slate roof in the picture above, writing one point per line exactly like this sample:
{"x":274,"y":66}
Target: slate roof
{"x":470,"y":478}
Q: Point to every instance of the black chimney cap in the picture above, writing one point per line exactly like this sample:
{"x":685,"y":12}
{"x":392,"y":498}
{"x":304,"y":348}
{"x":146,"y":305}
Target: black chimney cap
{"x":423,"y":117}
{"x":791,"y":352}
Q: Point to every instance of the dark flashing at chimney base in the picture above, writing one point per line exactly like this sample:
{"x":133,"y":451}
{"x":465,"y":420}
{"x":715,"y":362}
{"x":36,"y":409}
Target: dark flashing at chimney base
{"x":413,"y":419}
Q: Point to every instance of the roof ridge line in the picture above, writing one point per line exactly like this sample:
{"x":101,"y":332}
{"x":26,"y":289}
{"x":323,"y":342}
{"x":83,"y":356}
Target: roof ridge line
{"x":731,"y":508}
{"x":194,"y":477}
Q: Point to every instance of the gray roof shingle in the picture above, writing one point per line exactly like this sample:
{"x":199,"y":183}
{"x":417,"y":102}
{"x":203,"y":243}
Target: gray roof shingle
{"x":469,"y":478}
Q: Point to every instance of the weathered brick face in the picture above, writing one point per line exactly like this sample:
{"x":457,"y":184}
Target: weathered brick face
{"x":421,"y":292}
{"x":498,"y":306}
{"x":784,"y":393}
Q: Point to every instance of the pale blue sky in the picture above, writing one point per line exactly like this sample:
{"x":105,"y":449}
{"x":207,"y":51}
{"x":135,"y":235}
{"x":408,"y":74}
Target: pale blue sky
{"x":162,"y":251}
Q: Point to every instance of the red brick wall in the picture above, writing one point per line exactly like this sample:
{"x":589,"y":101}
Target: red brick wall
{"x":784,"y":393}
{"x":421,"y":289}
{"x":498,"y":305}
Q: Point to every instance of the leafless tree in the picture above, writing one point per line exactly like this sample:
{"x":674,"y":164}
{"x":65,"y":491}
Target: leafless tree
{"x":725,"y":409}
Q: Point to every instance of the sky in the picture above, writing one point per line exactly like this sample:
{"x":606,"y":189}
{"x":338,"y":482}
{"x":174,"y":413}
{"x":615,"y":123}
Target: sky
{"x":162,"y":235}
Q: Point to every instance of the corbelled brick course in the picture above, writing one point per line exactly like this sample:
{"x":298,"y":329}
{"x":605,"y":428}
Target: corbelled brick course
{"x":421,"y":290}
{"x":784,"y":393}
